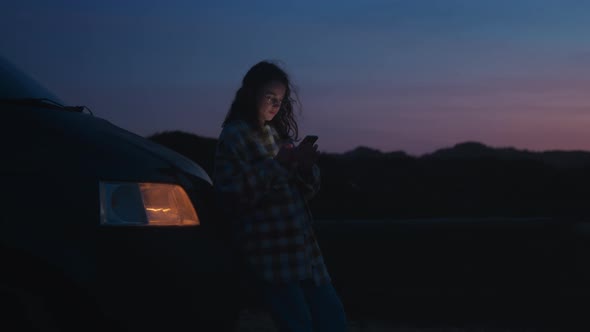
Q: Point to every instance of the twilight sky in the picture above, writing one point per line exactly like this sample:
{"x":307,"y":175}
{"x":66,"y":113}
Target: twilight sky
{"x":412,"y":75}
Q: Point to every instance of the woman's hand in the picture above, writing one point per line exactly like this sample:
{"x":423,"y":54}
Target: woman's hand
{"x":307,"y":156}
{"x":287,"y":156}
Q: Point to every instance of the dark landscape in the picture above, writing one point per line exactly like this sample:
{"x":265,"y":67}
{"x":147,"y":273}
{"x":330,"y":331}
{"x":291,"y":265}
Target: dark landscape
{"x":465,"y":235}
{"x":468,"y":180}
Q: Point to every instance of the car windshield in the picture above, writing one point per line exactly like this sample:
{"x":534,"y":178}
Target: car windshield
{"x":15,"y":85}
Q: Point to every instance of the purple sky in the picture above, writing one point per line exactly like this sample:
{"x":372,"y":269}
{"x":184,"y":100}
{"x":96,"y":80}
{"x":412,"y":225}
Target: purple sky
{"x":411,"y":75}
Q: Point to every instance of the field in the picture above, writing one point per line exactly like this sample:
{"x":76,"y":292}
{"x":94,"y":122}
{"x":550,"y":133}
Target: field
{"x":260,"y":321}
{"x":455,"y":274}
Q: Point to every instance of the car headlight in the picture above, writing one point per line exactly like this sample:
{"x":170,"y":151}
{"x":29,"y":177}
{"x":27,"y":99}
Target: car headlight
{"x":145,"y":204}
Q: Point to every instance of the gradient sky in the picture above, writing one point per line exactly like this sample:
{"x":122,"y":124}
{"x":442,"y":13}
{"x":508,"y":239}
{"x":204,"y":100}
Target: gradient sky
{"x":411,"y":75}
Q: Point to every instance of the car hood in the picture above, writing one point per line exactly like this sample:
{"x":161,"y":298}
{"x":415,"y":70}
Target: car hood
{"x":38,"y":139}
{"x":57,"y":141}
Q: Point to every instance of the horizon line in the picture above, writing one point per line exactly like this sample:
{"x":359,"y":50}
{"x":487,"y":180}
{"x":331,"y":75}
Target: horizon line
{"x":526,"y":150}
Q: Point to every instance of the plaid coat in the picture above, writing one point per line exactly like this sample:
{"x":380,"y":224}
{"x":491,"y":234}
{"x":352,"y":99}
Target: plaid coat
{"x":267,"y":205}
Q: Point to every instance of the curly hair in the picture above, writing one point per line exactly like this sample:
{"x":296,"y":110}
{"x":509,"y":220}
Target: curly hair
{"x":244,"y":105}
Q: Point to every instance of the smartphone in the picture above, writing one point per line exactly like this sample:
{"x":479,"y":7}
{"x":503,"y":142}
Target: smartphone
{"x":309,"y":139}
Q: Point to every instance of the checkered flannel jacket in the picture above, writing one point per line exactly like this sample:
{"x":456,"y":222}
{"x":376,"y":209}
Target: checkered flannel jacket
{"x":267,"y":205}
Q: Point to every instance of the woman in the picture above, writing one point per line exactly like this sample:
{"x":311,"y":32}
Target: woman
{"x":263,"y":184}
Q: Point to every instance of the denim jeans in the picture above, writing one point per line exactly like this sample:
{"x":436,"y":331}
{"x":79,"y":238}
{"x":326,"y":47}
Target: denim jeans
{"x":302,"y":306}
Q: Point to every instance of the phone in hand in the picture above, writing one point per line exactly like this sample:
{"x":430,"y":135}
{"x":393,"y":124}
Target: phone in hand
{"x":309,"y":139}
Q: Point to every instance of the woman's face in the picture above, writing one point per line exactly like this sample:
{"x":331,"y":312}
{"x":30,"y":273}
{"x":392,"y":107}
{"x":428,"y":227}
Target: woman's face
{"x":270,"y":100}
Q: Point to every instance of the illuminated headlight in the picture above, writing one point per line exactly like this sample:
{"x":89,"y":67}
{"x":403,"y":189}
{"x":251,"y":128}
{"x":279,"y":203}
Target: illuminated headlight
{"x":145,"y":204}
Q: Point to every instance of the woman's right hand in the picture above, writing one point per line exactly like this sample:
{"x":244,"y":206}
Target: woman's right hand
{"x":286,"y":155}
{"x":307,"y":156}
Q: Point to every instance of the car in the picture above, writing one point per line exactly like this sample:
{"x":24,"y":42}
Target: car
{"x":102,"y":228}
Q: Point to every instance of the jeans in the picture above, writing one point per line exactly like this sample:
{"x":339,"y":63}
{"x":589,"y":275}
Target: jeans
{"x":303,"y":306}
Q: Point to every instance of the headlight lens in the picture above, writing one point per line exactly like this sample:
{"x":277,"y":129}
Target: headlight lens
{"x":145,"y":204}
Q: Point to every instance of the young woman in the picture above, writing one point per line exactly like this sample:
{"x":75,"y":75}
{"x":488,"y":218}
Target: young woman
{"x":263,"y":183}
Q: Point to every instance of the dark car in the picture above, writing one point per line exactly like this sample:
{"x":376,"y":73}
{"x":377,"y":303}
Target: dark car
{"x":100,"y":227}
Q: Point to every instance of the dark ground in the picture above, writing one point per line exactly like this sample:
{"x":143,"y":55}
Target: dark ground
{"x":456,"y":274}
